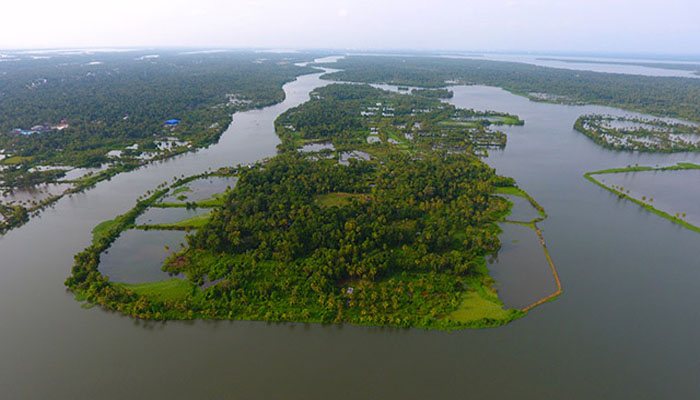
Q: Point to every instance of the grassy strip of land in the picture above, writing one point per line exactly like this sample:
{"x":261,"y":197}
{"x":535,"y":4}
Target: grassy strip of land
{"x":647,"y":206}
{"x":475,"y":307}
{"x":337,"y":199}
{"x":516,"y":191}
{"x":186,"y":224}
{"x":172,"y":289}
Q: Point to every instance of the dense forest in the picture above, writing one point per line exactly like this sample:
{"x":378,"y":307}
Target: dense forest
{"x":124,"y":98}
{"x":396,"y":239}
{"x":661,"y":96}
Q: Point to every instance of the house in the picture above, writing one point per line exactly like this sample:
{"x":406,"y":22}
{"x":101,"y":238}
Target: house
{"x":63,"y":125}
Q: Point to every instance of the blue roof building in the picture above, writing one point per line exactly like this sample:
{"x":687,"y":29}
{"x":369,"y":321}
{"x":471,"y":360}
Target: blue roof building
{"x":172,"y":122}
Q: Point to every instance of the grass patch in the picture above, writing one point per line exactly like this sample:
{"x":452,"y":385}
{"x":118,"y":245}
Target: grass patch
{"x":475,"y":307}
{"x":192,"y":223}
{"x":102,"y":229}
{"x":215,"y":201}
{"x":172,"y":289}
{"x":181,"y":189}
{"x":337,"y":199}
{"x":459,"y":124}
{"x":516,"y":191}
{"x":16,"y":160}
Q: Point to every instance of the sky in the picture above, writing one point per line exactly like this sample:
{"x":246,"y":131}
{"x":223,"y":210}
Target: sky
{"x":624,"y":26}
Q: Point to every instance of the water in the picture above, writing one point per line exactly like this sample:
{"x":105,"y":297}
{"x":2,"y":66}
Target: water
{"x":137,"y":256}
{"x":672,"y":191}
{"x":626,"y":325}
{"x":580,"y":64}
{"x":522,"y":210}
{"x":33,"y":194}
{"x":156,"y":215}
{"x":202,"y":189}
{"x":521,"y":270}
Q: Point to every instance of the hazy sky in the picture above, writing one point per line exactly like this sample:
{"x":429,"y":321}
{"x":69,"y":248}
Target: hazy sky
{"x":668,"y":26}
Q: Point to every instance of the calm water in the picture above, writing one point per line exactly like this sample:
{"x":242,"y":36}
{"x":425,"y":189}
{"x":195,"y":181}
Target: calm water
{"x":672,"y":191}
{"x":202,"y":189}
{"x":156,"y":215}
{"x":522,"y":210}
{"x":626,"y":326}
{"x":521,"y":271}
{"x":137,"y":256}
{"x":580,"y":64}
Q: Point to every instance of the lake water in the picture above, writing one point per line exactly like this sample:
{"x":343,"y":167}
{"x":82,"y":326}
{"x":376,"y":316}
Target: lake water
{"x":626,"y":325}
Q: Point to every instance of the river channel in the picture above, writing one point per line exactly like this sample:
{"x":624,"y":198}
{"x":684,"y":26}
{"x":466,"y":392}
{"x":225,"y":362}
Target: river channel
{"x":626,"y":326}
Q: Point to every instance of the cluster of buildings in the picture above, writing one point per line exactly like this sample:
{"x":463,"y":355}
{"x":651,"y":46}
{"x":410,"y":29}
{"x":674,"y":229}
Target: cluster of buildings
{"x":387,"y":111}
{"x":40,"y":129}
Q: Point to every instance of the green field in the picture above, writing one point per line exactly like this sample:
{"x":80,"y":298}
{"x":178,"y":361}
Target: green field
{"x":337,"y":199}
{"x":172,"y":289}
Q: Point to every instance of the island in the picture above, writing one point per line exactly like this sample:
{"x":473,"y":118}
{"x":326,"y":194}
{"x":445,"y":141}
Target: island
{"x":376,"y":211}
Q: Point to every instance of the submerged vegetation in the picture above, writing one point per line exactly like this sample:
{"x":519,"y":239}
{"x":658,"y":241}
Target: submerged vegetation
{"x":396,"y":238}
{"x":639,"y":134}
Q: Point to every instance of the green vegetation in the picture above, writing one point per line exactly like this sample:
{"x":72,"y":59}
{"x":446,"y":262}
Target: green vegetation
{"x":434,"y":93}
{"x":186,"y":224}
{"x":667,"y":97}
{"x":181,"y":189}
{"x":476,"y":306}
{"x":172,"y":290}
{"x":516,"y":191}
{"x":646,"y":205}
{"x":399,"y":239}
{"x":81,"y":112}
{"x":16,"y":160}
{"x":351,"y":116}
{"x":337,"y":199}
{"x":639,"y":134}
{"x":103,"y":229}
